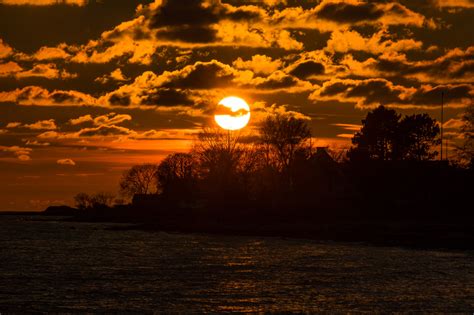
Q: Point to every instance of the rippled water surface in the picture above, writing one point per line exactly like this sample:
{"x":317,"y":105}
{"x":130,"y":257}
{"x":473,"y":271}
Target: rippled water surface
{"x":65,"y":266}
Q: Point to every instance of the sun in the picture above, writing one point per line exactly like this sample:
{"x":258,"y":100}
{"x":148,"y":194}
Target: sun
{"x":232,"y":113}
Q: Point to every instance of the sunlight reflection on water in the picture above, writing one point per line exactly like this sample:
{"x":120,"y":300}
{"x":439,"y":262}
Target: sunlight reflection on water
{"x":65,"y":266}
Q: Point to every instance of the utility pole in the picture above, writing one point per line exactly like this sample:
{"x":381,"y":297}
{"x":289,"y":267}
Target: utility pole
{"x":442,"y":122}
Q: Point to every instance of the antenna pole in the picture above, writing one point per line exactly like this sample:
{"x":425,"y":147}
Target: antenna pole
{"x":442,"y":122}
{"x":447,"y":149}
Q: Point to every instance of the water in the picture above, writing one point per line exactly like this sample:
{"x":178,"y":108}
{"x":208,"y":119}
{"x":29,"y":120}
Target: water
{"x":53,"y":266}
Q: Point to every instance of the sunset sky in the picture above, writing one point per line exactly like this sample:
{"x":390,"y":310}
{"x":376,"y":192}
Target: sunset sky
{"x":89,"y":88}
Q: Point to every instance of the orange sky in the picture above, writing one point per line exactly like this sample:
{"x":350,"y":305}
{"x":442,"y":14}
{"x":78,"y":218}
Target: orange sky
{"x":89,"y":88}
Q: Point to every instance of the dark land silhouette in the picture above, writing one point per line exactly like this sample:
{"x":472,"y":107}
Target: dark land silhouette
{"x":390,"y":187}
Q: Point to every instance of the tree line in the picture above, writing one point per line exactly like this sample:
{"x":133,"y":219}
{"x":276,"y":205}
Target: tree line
{"x":278,"y":167}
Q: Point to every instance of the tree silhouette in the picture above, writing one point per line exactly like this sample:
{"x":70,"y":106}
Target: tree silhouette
{"x":376,"y":138}
{"x":140,"y":179}
{"x":102,"y":199}
{"x":85,"y":201}
{"x":467,"y":149}
{"x":283,"y":136}
{"x":385,"y":136}
{"x":218,"y":154}
{"x":416,"y":136}
{"x":177,"y":176}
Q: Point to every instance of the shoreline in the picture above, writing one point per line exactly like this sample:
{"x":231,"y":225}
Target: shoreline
{"x":435,"y":234}
{"x":389,"y":234}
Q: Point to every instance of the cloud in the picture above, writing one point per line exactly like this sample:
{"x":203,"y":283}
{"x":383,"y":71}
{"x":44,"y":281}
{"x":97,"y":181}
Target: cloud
{"x":35,"y":95}
{"x":385,"y":13}
{"x":188,"y":24}
{"x":260,"y":111}
{"x":210,"y":22}
{"x":42,"y":125}
{"x":36,"y":143}
{"x":454,"y":3}
{"x":349,"y":11}
{"x":101,"y":131}
{"x":20,"y":153}
{"x":131,"y":39}
{"x":51,"y":53}
{"x":259,"y":64}
{"x":456,"y":66}
{"x":192,"y":84}
{"x":370,"y":93}
{"x":104,"y":131}
{"x":330,"y":15}
{"x":44,"y":70}
{"x":5,"y":49}
{"x":307,"y":68}
{"x":346,"y":135}
{"x":454,"y":123}
{"x":9,"y":68}
{"x":102,"y":120}
{"x":14,"y":124}
{"x":351,"y":127}
{"x":379,"y":42}
{"x":66,"y":162}
{"x":81,"y":120}
{"x":213,"y":23}
{"x":111,"y":119}
{"x":215,"y":74}
{"x":317,"y":64}
{"x":43,"y":2}
{"x":183,"y":134}
{"x":115,"y":75}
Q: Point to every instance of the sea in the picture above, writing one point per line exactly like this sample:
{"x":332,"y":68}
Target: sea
{"x":51,"y":265}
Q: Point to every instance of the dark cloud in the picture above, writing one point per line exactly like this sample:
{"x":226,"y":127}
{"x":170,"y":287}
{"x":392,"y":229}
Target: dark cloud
{"x":350,"y":12}
{"x":28,"y":29}
{"x":456,"y":65}
{"x":190,"y":34}
{"x":193,"y":21}
{"x":185,"y":12}
{"x":454,"y":94}
{"x":222,"y":110}
{"x":376,"y":92}
{"x":202,"y":75}
{"x":166,"y":97}
{"x":120,"y":100}
{"x":307,"y":68}
{"x":278,"y":80}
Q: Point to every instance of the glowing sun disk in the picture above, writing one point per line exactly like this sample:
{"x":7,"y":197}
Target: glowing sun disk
{"x":233,"y":113}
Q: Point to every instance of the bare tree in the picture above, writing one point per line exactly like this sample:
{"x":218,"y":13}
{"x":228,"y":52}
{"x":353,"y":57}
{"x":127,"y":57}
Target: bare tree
{"x":102,"y":199}
{"x":218,"y":151}
{"x":83,"y":201}
{"x":284,"y":135}
{"x":140,"y":179}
